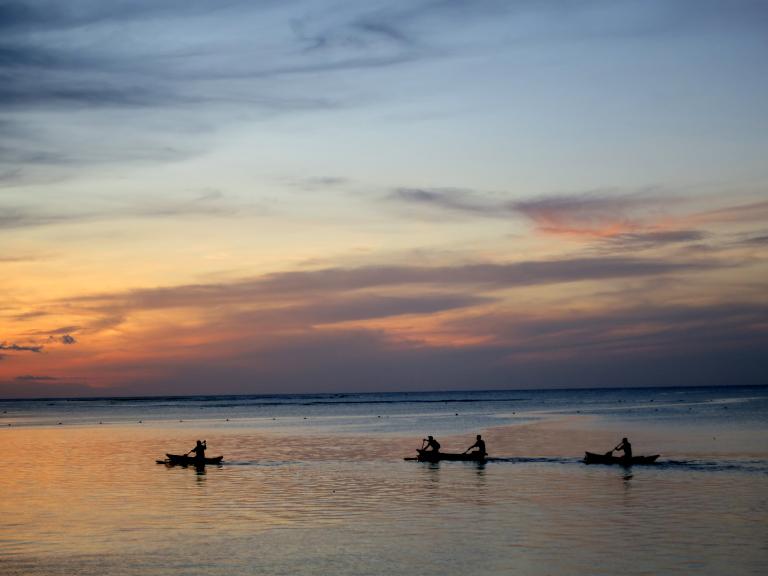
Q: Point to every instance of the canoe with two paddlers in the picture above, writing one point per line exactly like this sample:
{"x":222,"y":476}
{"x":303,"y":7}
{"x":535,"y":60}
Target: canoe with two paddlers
{"x":432,"y":456}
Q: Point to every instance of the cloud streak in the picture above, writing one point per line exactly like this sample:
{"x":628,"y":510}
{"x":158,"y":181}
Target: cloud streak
{"x":648,"y":240}
{"x":629,"y":330}
{"x":31,"y":378}
{"x":20,"y":348}
{"x":452,"y":200}
{"x":451,"y":328}
{"x":61,"y":72}
{"x":636,"y":221}
{"x":751,"y":212}
{"x":14,"y":217}
{"x":144,"y":59}
{"x":588,"y":214}
{"x":655,"y":345}
{"x":286,"y":285}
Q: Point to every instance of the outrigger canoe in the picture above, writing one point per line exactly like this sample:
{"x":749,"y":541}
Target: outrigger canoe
{"x":430,"y":456}
{"x":592,"y":458}
{"x":185,"y":460}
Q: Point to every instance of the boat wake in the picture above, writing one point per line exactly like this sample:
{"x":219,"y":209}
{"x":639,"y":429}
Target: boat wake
{"x":264,"y":463}
{"x":760,"y":466}
{"x":751,"y":466}
{"x":524,"y":460}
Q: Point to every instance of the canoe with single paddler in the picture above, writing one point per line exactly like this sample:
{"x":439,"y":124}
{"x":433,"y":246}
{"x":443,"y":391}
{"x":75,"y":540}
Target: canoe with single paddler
{"x":185,"y":460}
{"x":592,"y":458}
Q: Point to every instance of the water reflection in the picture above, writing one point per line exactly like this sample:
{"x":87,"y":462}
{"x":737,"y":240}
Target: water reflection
{"x":314,"y":504}
{"x":200,"y":469}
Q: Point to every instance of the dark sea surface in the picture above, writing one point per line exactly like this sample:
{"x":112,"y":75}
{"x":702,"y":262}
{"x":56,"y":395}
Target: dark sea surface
{"x":317,"y":484}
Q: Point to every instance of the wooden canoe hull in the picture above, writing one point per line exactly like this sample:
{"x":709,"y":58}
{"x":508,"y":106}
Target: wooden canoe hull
{"x":592,"y":458}
{"x":184,"y":460}
{"x":429,"y":456}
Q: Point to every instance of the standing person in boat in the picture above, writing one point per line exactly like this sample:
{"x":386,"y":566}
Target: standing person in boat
{"x":480,"y":445}
{"x":626,"y":447}
{"x":199,"y":450}
{"x":432,"y":444}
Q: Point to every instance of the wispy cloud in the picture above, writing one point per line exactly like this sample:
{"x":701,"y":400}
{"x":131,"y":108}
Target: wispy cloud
{"x":14,"y":259}
{"x":751,"y":212}
{"x":207,"y":204}
{"x":652,"y":345}
{"x":627,"y":330}
{"x":20,"y":348}
{"x":61,"y":335}
{"x":331,"y":310}
{"x":647,"y":240}
{"x":756,"y":240}
{"x":318,"y":182}
{"x":622,"y":221}
{"x":172,"y":63}
{"x":30,"y":315}
{"x":31,"y":378}
{"x":63,"y":330}
{"x":55,"y":70}
{"x":591,"y":214}
{"x":340,"y":280}
{"x":295,"y":302}
{"x":466,"y":202}
{"x":449,"y":324}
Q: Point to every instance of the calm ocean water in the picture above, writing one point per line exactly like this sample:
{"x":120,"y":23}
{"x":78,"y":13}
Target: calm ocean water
{"x":317,"y":484}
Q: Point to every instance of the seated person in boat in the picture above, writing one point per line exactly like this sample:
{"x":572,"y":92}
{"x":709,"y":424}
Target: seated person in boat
{"x":432,"y":445}
{"x":199,"y":450}
{"x":480,"y":445}
{"x":626,"y":447}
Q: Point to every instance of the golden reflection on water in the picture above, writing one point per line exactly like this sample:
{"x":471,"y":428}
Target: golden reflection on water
{"x":91,"y":500}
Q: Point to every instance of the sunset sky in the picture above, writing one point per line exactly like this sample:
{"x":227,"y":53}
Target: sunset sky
{"x":223,"y":196}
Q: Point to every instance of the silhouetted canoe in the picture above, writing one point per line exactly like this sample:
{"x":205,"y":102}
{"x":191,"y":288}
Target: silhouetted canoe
{"x":190,"y":460}
{"x":429,"y":456}
{"x":592,"y":458}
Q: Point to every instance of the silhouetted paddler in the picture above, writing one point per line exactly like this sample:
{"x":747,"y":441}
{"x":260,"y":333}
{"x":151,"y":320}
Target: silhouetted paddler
{"x":433,"y":444}
{"x":626,"y":447}
{"x":479,"y":444}
{"x":199,"y":450}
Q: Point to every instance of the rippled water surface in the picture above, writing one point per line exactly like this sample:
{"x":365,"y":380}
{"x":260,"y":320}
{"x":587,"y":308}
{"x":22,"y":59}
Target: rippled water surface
{"x":333,"y":495}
